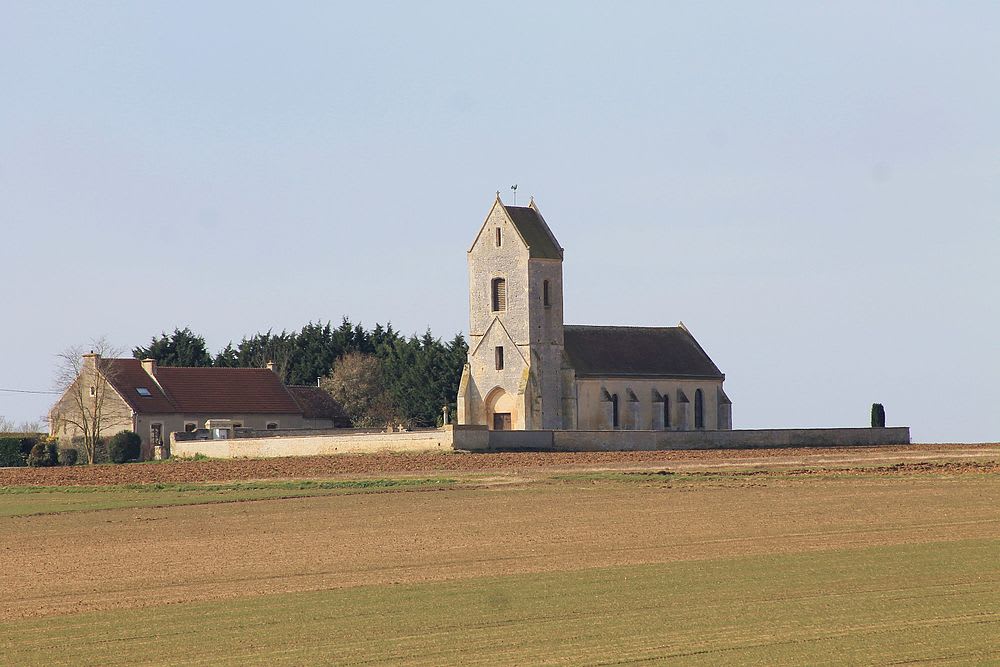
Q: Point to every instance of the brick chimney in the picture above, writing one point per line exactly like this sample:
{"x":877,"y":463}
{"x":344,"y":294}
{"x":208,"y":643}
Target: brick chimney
{"x":149,"y":365}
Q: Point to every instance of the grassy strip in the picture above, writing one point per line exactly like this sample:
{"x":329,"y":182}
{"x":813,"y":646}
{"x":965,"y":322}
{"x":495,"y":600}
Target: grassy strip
{"x":904,"y":603}
{"x":898,"y":471}
{"x":31,"y":500}
{"x":231,"y":486}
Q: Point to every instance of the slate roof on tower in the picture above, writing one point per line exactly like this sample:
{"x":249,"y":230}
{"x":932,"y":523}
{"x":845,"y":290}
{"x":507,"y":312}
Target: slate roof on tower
{"x":536,"y":234}
{"x":637,"y":352}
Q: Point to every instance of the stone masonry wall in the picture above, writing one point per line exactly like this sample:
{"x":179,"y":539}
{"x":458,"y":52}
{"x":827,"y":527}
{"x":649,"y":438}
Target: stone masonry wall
{"x":311,"y":445}
{"x":584,"y":441}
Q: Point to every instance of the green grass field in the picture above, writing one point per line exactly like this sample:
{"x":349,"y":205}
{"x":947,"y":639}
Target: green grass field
{"x":29,"y":500}
{"x":907,"y":603}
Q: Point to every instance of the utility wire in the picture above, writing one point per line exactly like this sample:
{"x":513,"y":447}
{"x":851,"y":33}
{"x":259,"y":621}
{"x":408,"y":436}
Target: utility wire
{"x":28,"y":391}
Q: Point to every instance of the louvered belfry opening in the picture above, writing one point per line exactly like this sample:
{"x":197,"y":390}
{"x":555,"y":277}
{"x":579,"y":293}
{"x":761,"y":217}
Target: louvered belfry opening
{"x":499,"y":294}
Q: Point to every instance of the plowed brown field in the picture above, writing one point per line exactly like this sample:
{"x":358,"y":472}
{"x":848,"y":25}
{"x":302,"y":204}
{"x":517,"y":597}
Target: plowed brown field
{"x":535,"y":522}
{"x":879,"y":551}
{"x":314,"y":467}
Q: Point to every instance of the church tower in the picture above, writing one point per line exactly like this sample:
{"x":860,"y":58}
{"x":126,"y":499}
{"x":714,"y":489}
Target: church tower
{"x":512,"y":379}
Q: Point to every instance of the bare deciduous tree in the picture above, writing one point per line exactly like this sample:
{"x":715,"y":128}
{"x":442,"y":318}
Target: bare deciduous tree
{"x":89,"y":402}
{"x":8,"y":426}
{"x":356,"y":383}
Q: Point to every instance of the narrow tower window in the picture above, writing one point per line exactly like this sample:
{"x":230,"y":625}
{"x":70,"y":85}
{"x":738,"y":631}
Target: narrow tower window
{"x":498,"y":353}
{"x":699,"y":409}
{"x":499,"y":294}
{"x":545,"y":293}
{"x":499,"y":238}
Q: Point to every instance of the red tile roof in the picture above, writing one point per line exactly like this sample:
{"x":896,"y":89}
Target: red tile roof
{"x":317,"y":403}
{"x":201,"y":390}
{"x":127,"y":376}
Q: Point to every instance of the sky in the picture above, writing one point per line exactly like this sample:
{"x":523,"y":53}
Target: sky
{"x":812,"y":188}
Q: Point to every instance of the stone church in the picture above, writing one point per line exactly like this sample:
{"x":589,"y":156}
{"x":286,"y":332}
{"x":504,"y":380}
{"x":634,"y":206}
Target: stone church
{"x":527,"y":370}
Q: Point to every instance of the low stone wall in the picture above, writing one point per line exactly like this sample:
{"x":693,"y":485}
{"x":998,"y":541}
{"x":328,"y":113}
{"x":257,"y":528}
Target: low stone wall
{"x":301,"y":444}
{"x":478,"y":439}
{"x":589,"y":441}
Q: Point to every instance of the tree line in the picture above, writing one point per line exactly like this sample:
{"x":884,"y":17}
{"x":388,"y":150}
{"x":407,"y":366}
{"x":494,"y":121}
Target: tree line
{"x":383,"y":375}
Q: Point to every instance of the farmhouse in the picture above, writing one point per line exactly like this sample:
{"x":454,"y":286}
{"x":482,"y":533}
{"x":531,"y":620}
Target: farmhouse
{"x":156,"y":401}
{"x":527,"y":370}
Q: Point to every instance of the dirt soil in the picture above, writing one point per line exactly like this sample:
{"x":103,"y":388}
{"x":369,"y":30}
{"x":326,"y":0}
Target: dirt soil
{"x":315,"y":467}
{"x":151,"y":556}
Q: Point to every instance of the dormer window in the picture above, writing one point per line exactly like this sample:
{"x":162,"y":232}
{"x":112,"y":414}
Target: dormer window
{"x":499,"y":238}
{"x":499,"y":293}
{"x":142,"y":391}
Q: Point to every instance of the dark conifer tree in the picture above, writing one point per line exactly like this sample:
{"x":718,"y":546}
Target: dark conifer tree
{"x":181,"y":348}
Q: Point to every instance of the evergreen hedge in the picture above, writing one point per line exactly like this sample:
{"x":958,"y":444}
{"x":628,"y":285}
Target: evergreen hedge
{"x":124,"y":446}
{"x":68,"y":456}
{"x":11,"y":453}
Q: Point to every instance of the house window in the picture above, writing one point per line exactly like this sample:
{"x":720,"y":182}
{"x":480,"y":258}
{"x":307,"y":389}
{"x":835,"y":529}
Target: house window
{"x":614,"y":410}
{"x":237,"y":424}
{"x":271,"y":426}
{"x":190,"y":427}
{"x":498,"y":355}
{"x":156,"y":434}
{"x":545,"y":294}
{"x":499,"y":290}
{"x":699,"y":409}
{"x":666,"y":411}
{"x":499,"y":238}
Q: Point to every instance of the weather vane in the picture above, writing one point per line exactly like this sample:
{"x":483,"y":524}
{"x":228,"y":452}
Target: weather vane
{"x":514,"y":190}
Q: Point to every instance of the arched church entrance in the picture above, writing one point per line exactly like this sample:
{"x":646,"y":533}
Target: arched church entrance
{"x":499,"y":410}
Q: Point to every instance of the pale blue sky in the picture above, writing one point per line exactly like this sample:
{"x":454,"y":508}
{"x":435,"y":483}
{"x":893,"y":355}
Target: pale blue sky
{"x":811,"y":187}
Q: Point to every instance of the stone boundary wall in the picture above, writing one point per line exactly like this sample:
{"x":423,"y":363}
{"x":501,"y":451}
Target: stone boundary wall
{"x":314,"y":444}
{"x":590,"y":441}
{"x":479,"y":439}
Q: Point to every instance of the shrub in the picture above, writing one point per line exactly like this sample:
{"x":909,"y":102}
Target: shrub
{"x":878,"y":415}
{"x":124,"y":446}
{"x":11,"y":453}
{"x":26,"y":444}
{"x":43,"y":454}
{"x":100,"y":448}
{"x":68,"y":456}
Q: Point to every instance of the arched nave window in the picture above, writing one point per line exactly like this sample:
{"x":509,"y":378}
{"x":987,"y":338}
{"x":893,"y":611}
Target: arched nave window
{"x":699,"y":409}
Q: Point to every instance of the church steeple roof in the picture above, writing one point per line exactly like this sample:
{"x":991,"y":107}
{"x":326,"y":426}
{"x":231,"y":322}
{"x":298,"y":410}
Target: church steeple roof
{"x":532,"y":228}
